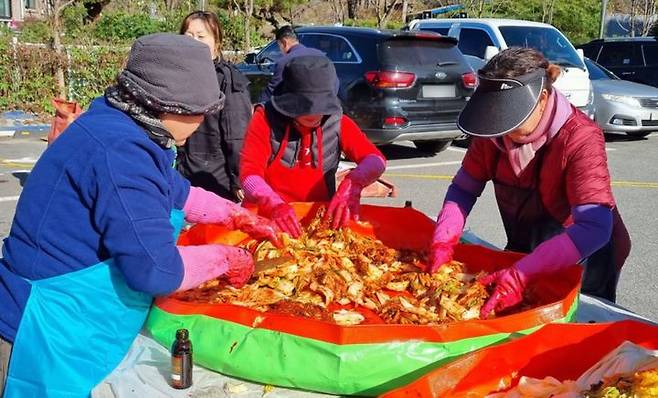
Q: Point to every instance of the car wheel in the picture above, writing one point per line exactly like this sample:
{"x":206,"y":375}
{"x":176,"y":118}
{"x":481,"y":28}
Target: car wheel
{"x":432,"y":147}
{"x":639,"y":134}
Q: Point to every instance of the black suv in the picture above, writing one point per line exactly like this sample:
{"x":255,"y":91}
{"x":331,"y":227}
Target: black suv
{"x":395,"y":85}
{"x":631,"y":58}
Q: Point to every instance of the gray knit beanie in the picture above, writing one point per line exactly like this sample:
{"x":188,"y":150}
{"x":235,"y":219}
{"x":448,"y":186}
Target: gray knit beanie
{"x":173,"y":74}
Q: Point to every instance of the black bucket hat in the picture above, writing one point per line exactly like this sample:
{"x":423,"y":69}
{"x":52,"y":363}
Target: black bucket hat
{"x":499,"y":106}
{"x":172,"y":73}
{"x":307,"y":88}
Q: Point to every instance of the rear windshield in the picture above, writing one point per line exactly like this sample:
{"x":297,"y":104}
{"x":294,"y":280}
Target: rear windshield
{"x":419,"y":52}
{"x":555,"y":47}
{"x":441,"y":31}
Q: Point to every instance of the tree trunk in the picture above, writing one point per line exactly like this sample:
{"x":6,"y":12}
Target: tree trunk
{"x":338,"y":8}
{"x":58,"y":6}
{"x":405,"y":9}
{"x":248,"y":12}
{"x":352,"y":8}
{"x":386,"y":12}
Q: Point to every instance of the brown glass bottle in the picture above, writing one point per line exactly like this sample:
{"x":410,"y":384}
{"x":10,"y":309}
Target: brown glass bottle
{"x":181,"y":360}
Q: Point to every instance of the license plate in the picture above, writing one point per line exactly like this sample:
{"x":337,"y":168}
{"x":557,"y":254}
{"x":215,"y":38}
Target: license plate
{"x":439,"y":91}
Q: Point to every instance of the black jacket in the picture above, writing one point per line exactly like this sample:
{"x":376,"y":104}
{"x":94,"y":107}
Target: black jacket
{"x":210,"y":157}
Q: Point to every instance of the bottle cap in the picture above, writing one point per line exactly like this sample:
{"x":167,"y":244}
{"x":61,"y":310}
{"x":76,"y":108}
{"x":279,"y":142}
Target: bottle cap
{"x":182,"y":334}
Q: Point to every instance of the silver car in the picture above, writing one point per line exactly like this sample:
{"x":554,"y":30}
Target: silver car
{"x":622,"y":106}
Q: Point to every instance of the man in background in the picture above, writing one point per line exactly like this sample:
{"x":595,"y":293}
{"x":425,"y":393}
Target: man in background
{"x":290,"y":48}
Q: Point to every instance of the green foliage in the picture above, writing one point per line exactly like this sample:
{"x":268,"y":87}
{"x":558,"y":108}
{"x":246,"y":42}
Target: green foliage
{"x":73,"y":22}
{"x":27,"y":78}
{"x":6,"y":69}
{"x":121,"y":26}
{"x":93,"y":70}
{"x":33,"y":31}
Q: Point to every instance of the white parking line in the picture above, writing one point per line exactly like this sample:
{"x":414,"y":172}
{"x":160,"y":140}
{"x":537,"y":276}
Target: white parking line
{"x":8,"y":198}
{"x":29,"y":160}
{"x":452,"y":148}
{"x":610,"y":149}
{"x":422,"y":165}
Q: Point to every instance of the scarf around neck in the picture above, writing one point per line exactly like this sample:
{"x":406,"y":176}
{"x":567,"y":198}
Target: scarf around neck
{"x":556,"y":113}
{"x":144,"y":117}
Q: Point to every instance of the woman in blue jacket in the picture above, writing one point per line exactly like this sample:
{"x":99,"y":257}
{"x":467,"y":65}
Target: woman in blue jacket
{"x":94,"y":235}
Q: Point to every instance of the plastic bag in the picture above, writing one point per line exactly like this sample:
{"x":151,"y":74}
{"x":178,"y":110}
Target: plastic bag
{"x":563,"y":352}
{"x":65,"y":113}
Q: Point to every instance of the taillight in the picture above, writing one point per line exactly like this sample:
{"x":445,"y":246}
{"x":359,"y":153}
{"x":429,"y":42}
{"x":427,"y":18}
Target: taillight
{"x":394,"y":121}
{"x":390,"y":79}
{"x":470,"y":80}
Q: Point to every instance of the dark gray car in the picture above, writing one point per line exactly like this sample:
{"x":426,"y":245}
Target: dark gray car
{"x":396,"y":85}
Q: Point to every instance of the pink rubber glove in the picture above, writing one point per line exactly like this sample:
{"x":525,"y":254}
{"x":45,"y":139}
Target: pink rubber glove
{"x":206,"y":262}
{"x":344,"y":206}
{"x":553,"y":255}
{"x":204,"y":207}
{"x":449,"y":227}
{"x":285,"y":218}
{"x":271,"y":205}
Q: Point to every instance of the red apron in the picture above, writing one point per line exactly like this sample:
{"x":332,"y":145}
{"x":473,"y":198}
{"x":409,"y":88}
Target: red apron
{"x":298,"y":183}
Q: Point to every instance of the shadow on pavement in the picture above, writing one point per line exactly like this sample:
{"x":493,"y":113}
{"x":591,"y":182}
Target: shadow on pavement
{"x":397,"y":152}
{"x":620,"y":137}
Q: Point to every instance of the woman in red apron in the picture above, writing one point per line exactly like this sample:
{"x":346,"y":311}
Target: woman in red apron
{"x":293,"y":145}
{"x":548,"y":165}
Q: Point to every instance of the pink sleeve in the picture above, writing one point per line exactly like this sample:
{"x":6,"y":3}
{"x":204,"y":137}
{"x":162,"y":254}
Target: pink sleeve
{"x":552,"y":255}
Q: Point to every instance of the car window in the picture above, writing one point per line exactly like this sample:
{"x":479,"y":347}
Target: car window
{"x":270,"y":53}
{"x":410,"y":51}
{"x":591,"y":50}
{"x":619,"y":54}
{"x":650,"y":54}
{"x":337,"y":48}
{"x":474,"y":41}
{"x":549,"y":41}
{"x":441,"y":31}
{"x":597,"y":72}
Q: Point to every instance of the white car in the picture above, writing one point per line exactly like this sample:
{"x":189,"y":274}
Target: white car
{"x":484,"y":38}
{"x":623,"y":106}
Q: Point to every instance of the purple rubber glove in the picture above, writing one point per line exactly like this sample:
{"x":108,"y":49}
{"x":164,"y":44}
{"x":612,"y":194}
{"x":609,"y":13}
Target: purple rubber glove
{"x":206,"y":262}
{"x":449,"y":227}
{"x":551,"y":256}
{"x":271,"y":205}
{"x":344,"y":205}
{"x":204,"y":207}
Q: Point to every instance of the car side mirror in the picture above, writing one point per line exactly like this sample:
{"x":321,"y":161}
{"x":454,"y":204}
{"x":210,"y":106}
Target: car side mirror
{"x":581,"y":54}
{"x":490,"y":52}
{"x":250,"y":58}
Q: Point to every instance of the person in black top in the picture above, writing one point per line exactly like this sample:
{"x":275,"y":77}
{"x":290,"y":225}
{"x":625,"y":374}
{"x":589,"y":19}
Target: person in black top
{"x":291,"y":48}
{"x":210,"y":158}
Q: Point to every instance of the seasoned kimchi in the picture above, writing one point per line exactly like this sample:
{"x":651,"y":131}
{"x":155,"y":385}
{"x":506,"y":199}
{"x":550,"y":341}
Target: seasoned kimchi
{"x":345,"y":277}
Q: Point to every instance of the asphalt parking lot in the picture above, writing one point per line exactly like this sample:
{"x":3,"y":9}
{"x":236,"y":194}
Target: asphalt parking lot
{"x":425,"y":179}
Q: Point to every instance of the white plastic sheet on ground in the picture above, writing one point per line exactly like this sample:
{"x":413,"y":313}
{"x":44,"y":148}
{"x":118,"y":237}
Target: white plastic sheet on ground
{"x":144,"y":371}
